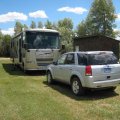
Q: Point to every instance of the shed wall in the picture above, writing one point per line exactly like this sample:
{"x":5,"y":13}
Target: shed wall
{"x":97,"y":43}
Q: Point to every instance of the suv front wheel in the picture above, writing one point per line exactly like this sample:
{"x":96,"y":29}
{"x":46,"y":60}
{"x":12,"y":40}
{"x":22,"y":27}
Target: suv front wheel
{"x":76,"y":86}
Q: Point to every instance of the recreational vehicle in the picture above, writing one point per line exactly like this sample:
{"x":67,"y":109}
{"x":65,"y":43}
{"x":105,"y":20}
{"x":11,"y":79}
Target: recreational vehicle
{"x":34,"y":49}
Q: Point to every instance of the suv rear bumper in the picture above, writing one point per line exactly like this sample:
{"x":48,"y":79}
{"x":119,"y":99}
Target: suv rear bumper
{"x":102,"y":84}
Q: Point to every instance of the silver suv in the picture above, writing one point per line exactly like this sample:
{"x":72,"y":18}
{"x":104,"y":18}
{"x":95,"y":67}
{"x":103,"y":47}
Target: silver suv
{"x":97,"y":69}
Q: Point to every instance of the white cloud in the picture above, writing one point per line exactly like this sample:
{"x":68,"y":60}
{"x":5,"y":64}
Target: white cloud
{"x":116,"y":30}
{"x":12,"y":16}
{"x":9,"y":31}
{"x":38,"y":14}
{"x":76,"y":10}
{"x":118,"y":16}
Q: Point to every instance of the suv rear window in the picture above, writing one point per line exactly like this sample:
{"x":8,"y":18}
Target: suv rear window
{"x":102,"y":59}
{"x":97,"y":59}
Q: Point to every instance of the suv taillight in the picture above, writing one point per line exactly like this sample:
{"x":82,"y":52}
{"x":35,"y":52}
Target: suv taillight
{"x":88,"y":71}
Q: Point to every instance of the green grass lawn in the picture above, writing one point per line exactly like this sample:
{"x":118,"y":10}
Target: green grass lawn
{"x":28,"y":97}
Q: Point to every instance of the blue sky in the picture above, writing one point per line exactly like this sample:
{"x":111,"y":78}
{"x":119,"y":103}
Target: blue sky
{"x":43,"y":10}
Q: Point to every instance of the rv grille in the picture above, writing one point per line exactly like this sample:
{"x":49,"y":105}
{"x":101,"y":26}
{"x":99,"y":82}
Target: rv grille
{"x":43,"y":64}
{"x":44,"y":59}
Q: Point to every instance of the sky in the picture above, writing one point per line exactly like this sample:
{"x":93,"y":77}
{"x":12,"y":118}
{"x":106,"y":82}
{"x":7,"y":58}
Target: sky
{"x":26,"y":11}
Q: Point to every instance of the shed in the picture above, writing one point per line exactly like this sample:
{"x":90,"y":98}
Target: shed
{"x":96,"y":43}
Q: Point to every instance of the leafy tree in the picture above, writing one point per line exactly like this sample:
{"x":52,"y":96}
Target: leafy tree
{"x":117,"y":34}
{"x":48,"y":25}
{"x":81,"y":28}
{"x":1,"y":35}
{"x":5,"y":46}
{"x":40,"y":25}
{"x":18,"y":27}
{"x":54,"y":26}
{"x":101,"y":19}
{"x":65,"y":27}
{"x":33,"y":25}
{"x":25,"y":26}
{"x":1,"y":39}
{"x":6,"y":41}
{"x":66,"y":23}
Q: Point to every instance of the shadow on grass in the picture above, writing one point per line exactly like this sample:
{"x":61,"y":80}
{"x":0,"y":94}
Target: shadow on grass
{"x":89,"y":95}
{"x":9,"y":68}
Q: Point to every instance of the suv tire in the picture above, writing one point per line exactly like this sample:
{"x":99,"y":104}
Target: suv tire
{"x":49,"y":78}
{"x":76,"y":86}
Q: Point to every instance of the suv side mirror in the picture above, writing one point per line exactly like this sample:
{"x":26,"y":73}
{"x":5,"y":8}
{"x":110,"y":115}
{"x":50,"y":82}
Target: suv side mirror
{"x":55,"y":63}
{"x":25,"y":45}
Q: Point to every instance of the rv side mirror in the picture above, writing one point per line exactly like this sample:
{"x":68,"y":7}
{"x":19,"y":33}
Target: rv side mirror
{"x":63,"y":49}
{"x":60,"y":37}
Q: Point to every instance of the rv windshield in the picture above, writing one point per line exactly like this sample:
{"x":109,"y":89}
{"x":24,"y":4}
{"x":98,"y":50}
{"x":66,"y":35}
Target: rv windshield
{"x":42,"y":40}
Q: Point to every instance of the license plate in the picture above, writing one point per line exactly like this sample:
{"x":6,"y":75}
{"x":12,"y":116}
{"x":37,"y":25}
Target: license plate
{"x":107,"y":70}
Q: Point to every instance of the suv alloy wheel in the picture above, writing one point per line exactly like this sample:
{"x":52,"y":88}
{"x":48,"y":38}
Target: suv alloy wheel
{"x":76,"y":86}
{"x":49,"y":77}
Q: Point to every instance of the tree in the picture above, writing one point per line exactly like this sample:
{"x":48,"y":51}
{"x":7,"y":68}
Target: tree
{"x":66,"y":23}
{"x":33,"y":25}
{"x":81,"y":29}
{"x":25,"y":27}
{"x":6,"y":41}
{"x":101,"y":18}
{"x":18,"y":27}
{"x":54,"y":26}
{"x":1,"y":35}
{"x":65,"y":27}
{"x":48,"y":25}
{"x":5,"y":46}
{"x":1,"y":41}
{"x":117,"y":34}
{"x":40,"y":25}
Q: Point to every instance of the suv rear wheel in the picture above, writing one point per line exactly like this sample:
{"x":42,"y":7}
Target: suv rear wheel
{"x":49,"y":78}
{"x":77,"y":86}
